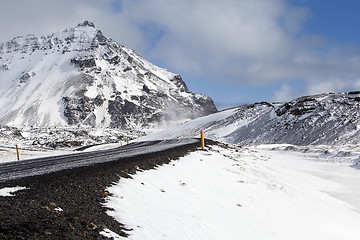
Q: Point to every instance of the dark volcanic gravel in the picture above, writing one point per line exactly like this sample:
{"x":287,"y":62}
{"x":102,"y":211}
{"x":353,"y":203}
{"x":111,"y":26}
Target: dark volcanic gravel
{"x":31,"y":214}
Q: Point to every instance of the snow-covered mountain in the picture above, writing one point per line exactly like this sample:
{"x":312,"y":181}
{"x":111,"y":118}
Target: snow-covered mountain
{"x":332,"y":119}
{"x":80,"y":77}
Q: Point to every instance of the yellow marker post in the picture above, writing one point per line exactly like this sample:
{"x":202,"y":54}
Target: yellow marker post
{"x":17,"y":152}
{"x":120,"y":144}
{"x":202,"y":140}
{"x":127,"y":140}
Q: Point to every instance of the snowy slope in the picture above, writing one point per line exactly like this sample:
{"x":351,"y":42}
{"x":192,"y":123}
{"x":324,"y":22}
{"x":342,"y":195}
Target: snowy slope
{"x":331,"y":119}
{"x":80,"y":77}
{"x":241,"y":193}
{"x":37,"y":142}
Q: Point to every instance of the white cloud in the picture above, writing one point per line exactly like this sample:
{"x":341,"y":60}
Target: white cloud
{"x":334,"y":84}
{"x":42,"y":17}
{"x":252,"y":43}
{"x":285,"y":93}
{"x":219,"y":36}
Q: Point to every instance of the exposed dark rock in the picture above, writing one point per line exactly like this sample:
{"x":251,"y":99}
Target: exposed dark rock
{"x":86,"y":24}
{"x":136,"y":98}
{"x":83,"y":63}
{"x":205,"y":104}
{"x":304,"y":106}
{"x":298,"y":108}
{"x":4,"y":67}
{"x":283,"y":109}
{"x":180,"y":83}
{"x":127,"y":69}
{"x":24,"y":78}
{"x":264,"y":103}
{"x":76,"y":110}
{"x":99,"y":39}
{"x":115,"y":60}
{"x":146,"y":89}
{"x":98,"y":101}
{"x":129,"y":107}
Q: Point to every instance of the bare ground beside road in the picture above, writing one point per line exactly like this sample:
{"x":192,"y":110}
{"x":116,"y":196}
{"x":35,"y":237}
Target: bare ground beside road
{"x":34,"y":213}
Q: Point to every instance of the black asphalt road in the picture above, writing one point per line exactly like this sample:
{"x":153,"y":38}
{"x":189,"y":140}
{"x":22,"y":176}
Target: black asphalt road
{"x":20,"y":169}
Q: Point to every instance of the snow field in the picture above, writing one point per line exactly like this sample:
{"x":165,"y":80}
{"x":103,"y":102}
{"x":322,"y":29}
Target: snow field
{"x":8,"y":154}
{"x":41,"y":142}
{"x":250,"y":193}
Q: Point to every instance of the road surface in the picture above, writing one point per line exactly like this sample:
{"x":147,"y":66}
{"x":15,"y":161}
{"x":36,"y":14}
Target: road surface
{"x":15,"y":170}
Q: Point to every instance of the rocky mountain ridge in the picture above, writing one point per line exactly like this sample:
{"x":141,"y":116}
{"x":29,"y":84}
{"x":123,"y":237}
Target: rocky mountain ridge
{"x":328,"y":119}
{"x":79,"y":77}
{"x":331,"y":119}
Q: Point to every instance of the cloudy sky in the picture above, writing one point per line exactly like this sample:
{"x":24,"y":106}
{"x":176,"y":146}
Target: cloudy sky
{"x":235,"y":51}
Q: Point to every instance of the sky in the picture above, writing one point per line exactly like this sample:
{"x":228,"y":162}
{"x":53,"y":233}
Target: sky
{"x":234,"y":51}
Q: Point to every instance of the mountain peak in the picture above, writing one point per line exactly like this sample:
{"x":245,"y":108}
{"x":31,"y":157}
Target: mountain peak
{"x":86,"y":24}
{"x":81,"y":77}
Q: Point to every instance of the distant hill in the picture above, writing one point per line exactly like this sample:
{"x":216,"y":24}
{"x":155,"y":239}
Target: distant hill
{"x":332,"y":119}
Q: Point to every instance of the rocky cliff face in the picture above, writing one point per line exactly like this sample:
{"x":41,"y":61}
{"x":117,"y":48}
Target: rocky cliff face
{"x":80,"y":77}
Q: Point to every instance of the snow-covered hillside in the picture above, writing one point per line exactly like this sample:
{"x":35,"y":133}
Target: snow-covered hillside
{"x":332,"y":119}
{"x":253,"y":193}
{"x":80,"y":77}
